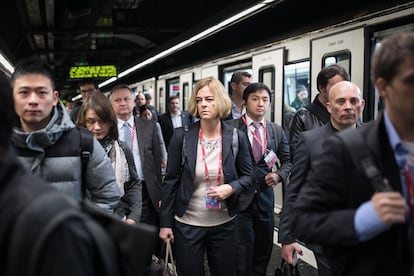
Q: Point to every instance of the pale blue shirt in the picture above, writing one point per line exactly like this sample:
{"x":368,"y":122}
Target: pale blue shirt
{"x":235,"y":113}
{"x":367,"y":222}
{"x":135,"y":148}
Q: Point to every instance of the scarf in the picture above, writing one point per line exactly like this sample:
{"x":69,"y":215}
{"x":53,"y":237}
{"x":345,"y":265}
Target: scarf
{"x":119,"y":163}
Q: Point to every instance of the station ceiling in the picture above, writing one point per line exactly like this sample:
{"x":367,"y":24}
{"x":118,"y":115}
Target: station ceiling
{"x":69,"y":33}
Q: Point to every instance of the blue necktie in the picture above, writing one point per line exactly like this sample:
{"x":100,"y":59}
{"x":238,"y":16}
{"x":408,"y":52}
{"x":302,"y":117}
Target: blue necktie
{"x":127,"y":135}
{"x":256,"y":145}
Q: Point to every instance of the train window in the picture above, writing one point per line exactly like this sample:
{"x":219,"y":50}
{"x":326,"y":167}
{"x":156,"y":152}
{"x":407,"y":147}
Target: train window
{"x":186,"y":95}
{"x":342,"y":58}
{"x":267,"y":77}
{"x":296,"y":90}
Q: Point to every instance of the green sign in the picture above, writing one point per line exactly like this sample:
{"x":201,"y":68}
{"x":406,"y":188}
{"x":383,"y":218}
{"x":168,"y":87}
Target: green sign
{"x":100,"y":71}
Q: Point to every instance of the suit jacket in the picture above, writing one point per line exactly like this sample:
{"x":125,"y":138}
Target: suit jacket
{"x":280,"y":146}
{"x":178,"y":184}
{"x":308,"y":149}
{"x":325,"y":208}
{"x":167,"y":127}
{"x":150,"y":154}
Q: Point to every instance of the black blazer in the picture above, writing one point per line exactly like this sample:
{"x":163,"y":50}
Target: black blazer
{"x":150,"y":154}
{"x":167,"y":127}
{"x":308,"y":149}
{"x":178,"y":184}
{"x":280,"y":145}
{"x":325,"y":208}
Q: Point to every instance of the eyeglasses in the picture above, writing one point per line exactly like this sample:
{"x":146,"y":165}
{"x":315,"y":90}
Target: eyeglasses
{"x":90,"y":90}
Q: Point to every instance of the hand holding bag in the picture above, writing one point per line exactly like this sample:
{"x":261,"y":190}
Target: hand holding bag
{"x":169,"y":265}
{"x":165,"y":265}
{"x":286,"y":269}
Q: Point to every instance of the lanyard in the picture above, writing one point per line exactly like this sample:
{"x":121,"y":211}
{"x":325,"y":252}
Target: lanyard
{"x":264,"y":145}
{"x":410,"y":192}
{"x":203,"y":152}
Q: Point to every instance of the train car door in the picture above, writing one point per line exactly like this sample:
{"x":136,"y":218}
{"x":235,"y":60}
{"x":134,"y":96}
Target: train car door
{"x":186,"y":84}
{"x":161,"y":95}
{"x":346,"y":49}
{"x":268,"y":69}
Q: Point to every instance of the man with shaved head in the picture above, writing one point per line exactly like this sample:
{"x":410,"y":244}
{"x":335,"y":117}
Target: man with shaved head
{"x":345,"y":106}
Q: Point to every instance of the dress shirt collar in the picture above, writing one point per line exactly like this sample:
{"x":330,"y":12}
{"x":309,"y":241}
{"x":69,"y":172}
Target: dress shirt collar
{"x":121,"y":122}
{"x":400,"y":152}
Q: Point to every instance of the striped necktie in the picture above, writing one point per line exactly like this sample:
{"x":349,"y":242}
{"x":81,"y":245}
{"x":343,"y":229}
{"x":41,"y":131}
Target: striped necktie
{"x":127,"y":134}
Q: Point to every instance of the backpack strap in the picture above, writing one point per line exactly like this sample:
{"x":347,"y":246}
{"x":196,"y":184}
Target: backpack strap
{"x":86,"y":145}
{"x":235,"y":143}
{"x":362,"y":158}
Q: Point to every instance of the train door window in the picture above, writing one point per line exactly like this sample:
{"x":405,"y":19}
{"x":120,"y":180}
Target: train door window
{"x":296,"y":92}
{"x":342,"y":58}
{"x":173,"y":89}
{"x":186,"y":95}
{"x":267,"y":77}
{"x":161,"y":102}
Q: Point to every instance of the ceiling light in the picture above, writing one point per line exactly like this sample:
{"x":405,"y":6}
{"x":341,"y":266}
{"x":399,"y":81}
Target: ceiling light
{"x":204,"y":34}
{"x":6,"y":64}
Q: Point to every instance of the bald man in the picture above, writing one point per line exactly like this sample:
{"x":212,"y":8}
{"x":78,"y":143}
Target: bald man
{"x":345,"y":106}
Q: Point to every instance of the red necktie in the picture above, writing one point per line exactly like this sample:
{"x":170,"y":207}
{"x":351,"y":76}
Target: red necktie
{"x":410,"y":193}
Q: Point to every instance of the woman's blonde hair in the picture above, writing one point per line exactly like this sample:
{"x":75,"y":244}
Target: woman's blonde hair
{"x":222,"y":100}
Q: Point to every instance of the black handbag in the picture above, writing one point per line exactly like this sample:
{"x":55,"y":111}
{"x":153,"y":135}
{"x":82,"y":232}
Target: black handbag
{"x":286,"y":269}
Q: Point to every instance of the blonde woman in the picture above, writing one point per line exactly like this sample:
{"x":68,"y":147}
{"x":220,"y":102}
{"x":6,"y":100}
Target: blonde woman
{"x":203,"y":183}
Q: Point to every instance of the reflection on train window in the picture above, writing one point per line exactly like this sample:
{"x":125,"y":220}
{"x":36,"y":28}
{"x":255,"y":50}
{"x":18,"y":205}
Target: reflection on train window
{"x":342,"y":58}
{"x":267,"y":77}
{"x":173,"y":89}
{"x":296,"y":92}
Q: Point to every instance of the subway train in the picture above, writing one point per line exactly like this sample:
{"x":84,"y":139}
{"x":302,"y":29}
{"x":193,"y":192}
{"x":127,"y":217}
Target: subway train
{"x":294,"y":62}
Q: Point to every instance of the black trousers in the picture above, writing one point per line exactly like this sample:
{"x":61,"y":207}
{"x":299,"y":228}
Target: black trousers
{"x":192,"y":242}
{"x":254,"y":239}
{"x":150,"y":216}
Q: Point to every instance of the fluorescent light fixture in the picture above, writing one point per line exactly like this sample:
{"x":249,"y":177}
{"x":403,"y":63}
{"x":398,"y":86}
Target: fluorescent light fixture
{"x":107,"y":82}
{"x":214,"y":29}
{"x":6,"y":64}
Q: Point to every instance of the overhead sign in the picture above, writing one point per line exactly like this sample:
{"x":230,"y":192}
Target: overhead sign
{"x":99,"y":71}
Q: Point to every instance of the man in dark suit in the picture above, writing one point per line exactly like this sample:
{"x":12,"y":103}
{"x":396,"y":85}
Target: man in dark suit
{"x":173,"y":119}
{"x":365,"y":230}
{"x":144,"y":142}
{"x":238,"y":82}
{"x":255,"y":222}
{"x":345,"y":106}
{"x":154,"y":111}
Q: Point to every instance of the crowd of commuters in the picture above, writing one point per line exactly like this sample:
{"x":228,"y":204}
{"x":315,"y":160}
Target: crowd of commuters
{"x":212,"y":193}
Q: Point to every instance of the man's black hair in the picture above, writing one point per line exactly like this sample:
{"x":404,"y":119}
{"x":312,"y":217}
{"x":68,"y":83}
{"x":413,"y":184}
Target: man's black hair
{"x":253,"y":87}
{"x":33,"y":66}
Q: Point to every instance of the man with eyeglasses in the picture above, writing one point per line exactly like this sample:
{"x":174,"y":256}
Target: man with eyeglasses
{"x":86,"y":87}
